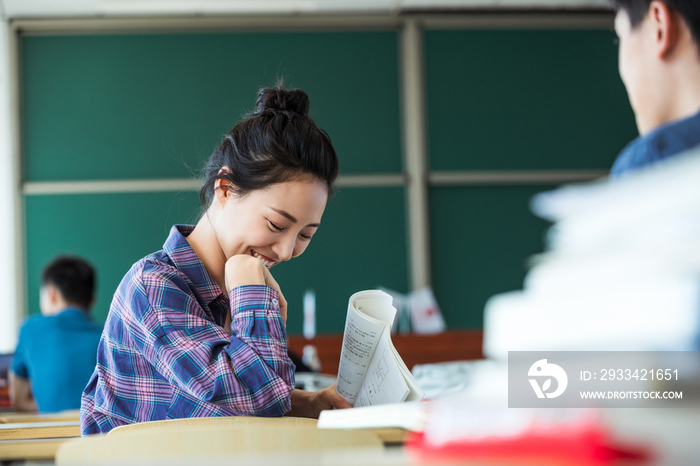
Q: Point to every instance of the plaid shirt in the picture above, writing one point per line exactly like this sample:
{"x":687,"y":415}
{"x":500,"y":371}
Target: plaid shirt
{"x":164,"y":353}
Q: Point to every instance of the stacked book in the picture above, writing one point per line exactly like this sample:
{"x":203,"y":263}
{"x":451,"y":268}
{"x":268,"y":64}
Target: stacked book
{"x":621,"y":269}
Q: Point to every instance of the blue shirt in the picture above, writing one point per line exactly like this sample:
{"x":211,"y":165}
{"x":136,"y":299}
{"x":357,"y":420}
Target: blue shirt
{"x":663,"y":142}
{"x":57,"y":354}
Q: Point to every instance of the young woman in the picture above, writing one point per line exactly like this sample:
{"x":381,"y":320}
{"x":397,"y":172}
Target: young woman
{"x":198,"y":329}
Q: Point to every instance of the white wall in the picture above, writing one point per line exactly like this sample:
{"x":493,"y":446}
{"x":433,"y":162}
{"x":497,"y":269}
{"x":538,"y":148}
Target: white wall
{"x":8,"y":187}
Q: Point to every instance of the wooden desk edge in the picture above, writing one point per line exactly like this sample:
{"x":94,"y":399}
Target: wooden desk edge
{"x":35,"y":431}
{"x":27,"y":418}
{"x":30,"y":449}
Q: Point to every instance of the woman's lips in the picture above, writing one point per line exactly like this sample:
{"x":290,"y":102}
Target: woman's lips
{"x":267,"y":262}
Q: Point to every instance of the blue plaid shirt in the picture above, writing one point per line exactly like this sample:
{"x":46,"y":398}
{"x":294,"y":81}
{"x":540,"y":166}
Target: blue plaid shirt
{"x":164,"y":353}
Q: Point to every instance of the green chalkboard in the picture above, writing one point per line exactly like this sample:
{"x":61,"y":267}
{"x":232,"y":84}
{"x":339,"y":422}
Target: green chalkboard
{"x":156,"y":105}
{"x":100,"y":107}
{"x":480,"y":240}
{"x":360,"y":245}
{"x":111,"y":231}
{"x":525,"y":99}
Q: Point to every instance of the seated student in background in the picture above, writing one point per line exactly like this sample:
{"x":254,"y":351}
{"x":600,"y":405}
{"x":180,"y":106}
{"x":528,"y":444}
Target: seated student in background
{"x":56,"y":352}
{"x":198,"y":328}
{"x":660,"y":67}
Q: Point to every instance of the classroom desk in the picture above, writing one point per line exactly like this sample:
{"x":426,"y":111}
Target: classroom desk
{"x":391,"y":457}
{"x":14,"y":417}
{"x":30,"y":449}
{"x":672,"y":433}
{"x":341,"y":457}
{"x":40,"y":441}
{"x":39,"y":430}
{"x":35,"y":440}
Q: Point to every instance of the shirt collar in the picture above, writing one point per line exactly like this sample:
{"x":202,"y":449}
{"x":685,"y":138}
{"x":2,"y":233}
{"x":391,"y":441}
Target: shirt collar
{"x":695,"y":118}
{"x":73,"y":312}
{"x":187,"y":261}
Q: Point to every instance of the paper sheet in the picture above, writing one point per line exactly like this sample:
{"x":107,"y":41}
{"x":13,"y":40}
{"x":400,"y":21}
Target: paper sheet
{"x":369,"y":314}
{"x":383,"y":381}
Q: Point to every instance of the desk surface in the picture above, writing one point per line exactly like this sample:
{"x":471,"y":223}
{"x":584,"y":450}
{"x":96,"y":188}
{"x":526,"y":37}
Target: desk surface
{"x":672,"y":433}
{"x":40,"y":440}
{"x":14,"y":417}
{"x":353,"y":457}
{"x":37,"y":430}
{"x":390,"y":436}
{"x":32,"y":449}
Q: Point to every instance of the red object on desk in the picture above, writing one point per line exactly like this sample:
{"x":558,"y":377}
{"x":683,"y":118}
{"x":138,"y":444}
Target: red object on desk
{"x":590,"y":446}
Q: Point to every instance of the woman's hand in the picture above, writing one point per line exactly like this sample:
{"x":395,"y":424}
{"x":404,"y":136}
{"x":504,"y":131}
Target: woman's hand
{"x":328,"y":398}
{"x":310,"y":404}
{"x":272,"y":283}
{"x":243,"y":270}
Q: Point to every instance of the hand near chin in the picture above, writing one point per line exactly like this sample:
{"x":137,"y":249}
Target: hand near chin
{"x":243,"y":270}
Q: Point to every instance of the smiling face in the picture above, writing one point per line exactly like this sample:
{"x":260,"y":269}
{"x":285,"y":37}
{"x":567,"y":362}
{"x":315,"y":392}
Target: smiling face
{"x":272,"y":224}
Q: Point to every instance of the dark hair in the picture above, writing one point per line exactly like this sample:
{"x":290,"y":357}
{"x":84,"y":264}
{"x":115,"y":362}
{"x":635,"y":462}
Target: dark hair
{"x":73,"y":277}
{"x":277,"y":142}
{"x":688,"y":9}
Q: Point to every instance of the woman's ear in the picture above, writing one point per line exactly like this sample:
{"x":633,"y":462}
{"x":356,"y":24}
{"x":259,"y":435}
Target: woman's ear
{"x":222,"y":187}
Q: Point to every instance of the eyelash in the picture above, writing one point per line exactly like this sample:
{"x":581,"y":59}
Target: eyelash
{"x":276,"y":228}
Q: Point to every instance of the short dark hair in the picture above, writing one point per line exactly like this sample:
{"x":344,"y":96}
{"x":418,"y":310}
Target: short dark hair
{"x":278,"y":142}
{"x":689,"y":10}
{"x":73,"y":277}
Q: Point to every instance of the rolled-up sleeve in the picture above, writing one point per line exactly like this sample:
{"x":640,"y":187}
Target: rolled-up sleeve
{"x":248,"y":372}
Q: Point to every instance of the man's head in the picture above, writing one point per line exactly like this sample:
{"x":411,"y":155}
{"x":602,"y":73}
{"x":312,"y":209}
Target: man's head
{"x":66,"y":282}
{"x":659,"y":58}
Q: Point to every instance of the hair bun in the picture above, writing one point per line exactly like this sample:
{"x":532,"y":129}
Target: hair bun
{"x":280,"y":100}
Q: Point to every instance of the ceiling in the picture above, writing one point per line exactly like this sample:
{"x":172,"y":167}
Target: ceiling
{"x":11,"y":9}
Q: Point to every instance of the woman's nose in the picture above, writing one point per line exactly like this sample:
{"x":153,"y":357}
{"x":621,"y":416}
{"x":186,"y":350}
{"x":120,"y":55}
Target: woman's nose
{"x":285,"y":248}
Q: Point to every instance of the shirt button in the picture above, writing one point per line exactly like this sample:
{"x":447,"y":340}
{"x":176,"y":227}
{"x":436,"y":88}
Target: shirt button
{"x":275,"y":301}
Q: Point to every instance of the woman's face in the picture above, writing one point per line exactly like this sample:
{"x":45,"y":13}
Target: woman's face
{"x":273,"y":224}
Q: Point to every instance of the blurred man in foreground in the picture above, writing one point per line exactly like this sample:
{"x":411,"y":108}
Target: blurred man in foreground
{"x":660,"y":67}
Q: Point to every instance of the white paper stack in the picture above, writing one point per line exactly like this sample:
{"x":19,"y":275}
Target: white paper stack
{"x":621,"y":271}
